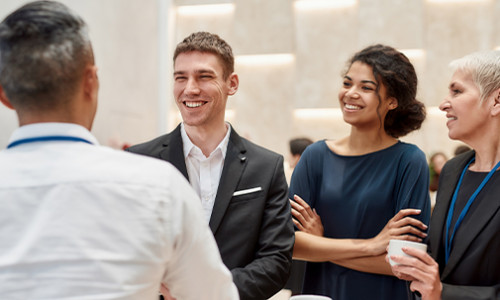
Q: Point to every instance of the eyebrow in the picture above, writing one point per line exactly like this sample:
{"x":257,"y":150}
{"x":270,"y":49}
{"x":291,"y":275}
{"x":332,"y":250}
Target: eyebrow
{"x":201,"y":71}
{"x":362,"y":81}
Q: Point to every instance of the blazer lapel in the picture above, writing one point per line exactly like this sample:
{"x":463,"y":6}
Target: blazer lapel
{"x":448,"y":182}
{"x":469,"y":230}
{"x":173,"y":151}
{"x":234,"y":164}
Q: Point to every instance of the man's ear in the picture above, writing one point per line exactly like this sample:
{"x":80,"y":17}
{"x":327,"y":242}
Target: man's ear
{"x":90,"y":81}
{"x":234,"y":82}
{"x":4,"y":99}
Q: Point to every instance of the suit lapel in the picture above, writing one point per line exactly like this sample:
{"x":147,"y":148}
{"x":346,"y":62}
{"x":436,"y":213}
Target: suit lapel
{"x":469,"y":230}
{"x":173,"y":151}
{"x":448,"y":182}
{"x":234,"y":164}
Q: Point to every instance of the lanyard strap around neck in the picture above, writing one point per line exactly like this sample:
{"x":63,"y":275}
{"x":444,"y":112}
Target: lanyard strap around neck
{"x":449,"y":241}
{"x":48,"y":138}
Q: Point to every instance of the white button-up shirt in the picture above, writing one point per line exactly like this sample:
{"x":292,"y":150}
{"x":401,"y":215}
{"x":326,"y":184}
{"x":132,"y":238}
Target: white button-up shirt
{"x":204,"y":172}
{"x":82,"y":221}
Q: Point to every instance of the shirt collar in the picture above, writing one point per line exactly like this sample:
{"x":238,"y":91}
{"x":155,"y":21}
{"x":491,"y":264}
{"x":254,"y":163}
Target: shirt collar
{"x":46,"y":129}
{"x":188,"y":146}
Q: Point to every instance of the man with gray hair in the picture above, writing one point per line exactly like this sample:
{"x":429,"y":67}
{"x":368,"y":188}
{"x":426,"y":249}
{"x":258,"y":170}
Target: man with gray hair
{"x":79,"y":220}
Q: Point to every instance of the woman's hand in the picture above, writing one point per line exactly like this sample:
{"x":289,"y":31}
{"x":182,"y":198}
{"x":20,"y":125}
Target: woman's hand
{"x":400,"y":227}
{"x":421,"y":270}
{"x":305,"y":218}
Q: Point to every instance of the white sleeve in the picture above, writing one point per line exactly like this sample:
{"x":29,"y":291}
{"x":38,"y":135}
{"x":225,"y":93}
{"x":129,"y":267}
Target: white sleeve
{"x":195,"y":269}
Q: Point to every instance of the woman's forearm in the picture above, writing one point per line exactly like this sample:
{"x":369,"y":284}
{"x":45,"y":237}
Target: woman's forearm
{"x":314,"y":248}
{"x":368,"y":264}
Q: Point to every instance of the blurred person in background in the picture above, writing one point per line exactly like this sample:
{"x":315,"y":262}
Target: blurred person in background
{"x":464,"y":236}
{"x":436,"y":163}
{"x":461,"y":149}
{"x":297,"y":147}
{"x":78,"y":220}
{"x":368,"y":187}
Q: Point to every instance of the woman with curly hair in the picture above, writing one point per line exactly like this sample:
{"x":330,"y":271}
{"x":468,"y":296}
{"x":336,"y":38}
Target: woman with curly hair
{"x":368,"y":187}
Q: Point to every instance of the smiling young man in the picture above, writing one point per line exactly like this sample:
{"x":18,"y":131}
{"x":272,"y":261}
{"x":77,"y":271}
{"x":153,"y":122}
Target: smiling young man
{"x":242,"y":186}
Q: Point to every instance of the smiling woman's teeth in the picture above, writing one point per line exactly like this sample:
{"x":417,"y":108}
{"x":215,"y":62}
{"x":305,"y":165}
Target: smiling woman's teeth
{"x":350,"y":106}
{"x":452,"y":118}
{"x":194,"y":104}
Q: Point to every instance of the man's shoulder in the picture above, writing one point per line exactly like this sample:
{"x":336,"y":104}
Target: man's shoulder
{"x":252,"y":148}
{"x":121,"y":162}
{"x":153,"y":146}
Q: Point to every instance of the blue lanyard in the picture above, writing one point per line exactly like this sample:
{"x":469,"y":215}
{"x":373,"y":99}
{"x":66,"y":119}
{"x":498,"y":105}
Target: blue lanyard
{"x":449,"y":241}
{"x":47,"y":138}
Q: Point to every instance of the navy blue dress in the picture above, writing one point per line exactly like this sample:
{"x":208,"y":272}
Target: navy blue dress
{"x":355,"y":197}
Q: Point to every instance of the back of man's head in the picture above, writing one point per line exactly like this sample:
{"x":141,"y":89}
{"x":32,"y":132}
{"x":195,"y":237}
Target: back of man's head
{"x":211,"y":43}
{"x":298,"y":145}
{"x":43,"y":49}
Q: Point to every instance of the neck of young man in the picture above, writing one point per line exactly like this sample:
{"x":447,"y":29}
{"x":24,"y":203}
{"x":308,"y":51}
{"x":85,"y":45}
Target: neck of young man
{"x":207,"y":138}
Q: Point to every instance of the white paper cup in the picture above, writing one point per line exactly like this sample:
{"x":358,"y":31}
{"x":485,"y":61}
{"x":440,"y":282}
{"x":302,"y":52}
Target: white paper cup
{"x":395,"y":248}
{"x":310,"y":297}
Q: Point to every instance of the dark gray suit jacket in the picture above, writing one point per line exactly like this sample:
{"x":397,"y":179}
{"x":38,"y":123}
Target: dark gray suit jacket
{"x":473,"y":269}
{"x":254,"y":231}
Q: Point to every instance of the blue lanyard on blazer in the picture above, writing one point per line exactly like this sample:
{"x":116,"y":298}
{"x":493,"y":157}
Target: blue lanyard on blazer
{"x":449,"y":241}
{"x":48,"y":138}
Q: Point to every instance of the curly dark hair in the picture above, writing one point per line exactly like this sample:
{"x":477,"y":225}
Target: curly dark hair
{"x":398,"y":76}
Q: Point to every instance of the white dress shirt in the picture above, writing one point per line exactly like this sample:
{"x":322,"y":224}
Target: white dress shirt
{"x":82,"y":221}
{"x":204,"y":172}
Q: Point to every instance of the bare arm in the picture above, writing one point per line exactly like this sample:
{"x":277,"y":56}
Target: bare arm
{"x":310,"y":246}
{"x":369,"y":264}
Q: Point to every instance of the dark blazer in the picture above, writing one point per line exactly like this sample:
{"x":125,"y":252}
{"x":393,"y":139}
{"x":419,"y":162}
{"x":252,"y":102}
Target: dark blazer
{"x":254,"y":231}
{"x":473,"y":269}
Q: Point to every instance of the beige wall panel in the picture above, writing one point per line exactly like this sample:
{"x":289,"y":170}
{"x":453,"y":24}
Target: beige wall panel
{"x":221,"y":25}
{"x":496,"y":25}
{"x":452,"y":31}
{"x":198,"y":2}
{"x":262,"y":104}
{"x":325,"y":39}
{"x":127,"y":57}
{"x":330,"y":127}
{"x":263,"y":26}
{"x":433,"y":136}
{"x":397,"y":23}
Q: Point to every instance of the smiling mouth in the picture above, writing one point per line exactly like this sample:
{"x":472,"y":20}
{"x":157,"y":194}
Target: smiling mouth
{"x":352,"y":106}
{"x":452,"y":118}
{"x":194,"y":104}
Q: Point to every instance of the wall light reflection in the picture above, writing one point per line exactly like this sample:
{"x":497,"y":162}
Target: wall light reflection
{"x":413,"y":53}
{"x":457,"y":1}
{"x":315,"y":5}
{"x":265,"y":59}
{"x":208,"y":9}
{"x":317,"y":113}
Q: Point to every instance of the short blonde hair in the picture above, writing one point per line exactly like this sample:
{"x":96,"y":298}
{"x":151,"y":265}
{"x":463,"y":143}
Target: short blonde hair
{"x":484,"y":67}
